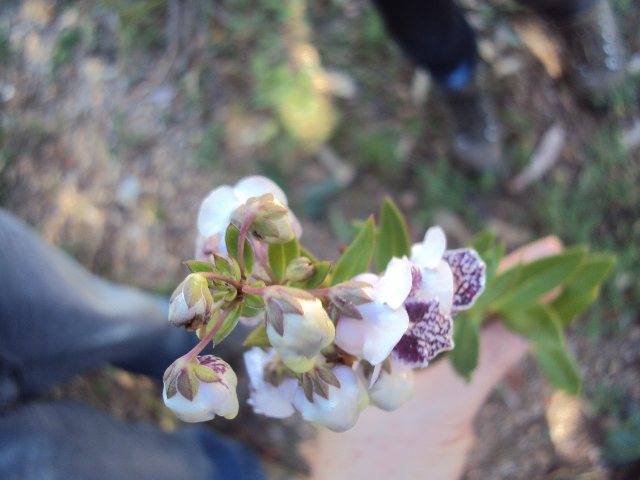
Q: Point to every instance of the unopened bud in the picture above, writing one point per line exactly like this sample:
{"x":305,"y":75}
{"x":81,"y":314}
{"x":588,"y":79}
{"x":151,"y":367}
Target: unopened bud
{"x":271,"y":219}
{"x":394,"y":387}
{"x":300,"y":269}
{"x":191,"y":302}
{"x":298,"y":326}
{"x":201,"y":389}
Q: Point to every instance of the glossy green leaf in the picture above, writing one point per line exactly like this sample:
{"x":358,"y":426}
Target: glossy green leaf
{"x":258,"y":337}
{"x":539,"y":277}
{"x":322,"y":270}
{"x":492,"y":259}
{"x":231,"y":240}
{"x":537,"y":323}
{"x":357,"y":257}
{"x":581,"y":289}
{"x":559,"y":367}
{"x":393,"y":237}
{"x":228,"y":324}
{"x":247,"y":311}
{"x":466,"y":338}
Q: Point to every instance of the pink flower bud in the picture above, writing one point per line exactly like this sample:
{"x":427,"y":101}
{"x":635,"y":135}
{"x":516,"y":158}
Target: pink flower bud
{"x":201,"y":389}
{"x":191,"y":302}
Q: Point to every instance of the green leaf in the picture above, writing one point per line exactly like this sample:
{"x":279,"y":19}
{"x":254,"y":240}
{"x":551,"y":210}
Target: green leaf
{"x":247,"y":311}
{"x":537,"y":323}
{"x":492,"y":259}
{"x":276,"y":260}
{"x":322,"y":270}
{"x":482,"y":242}
{"x":258,"y":337}
{"x":195,"y":266}
{"x":581,"y":289}
{"x":228,"y":324}
{"x":280,"y":255}
{"x":559,"y":367}
{"x":497,"y":287}
{"x":541,"y":276}
{"x":231,"y":240}
{"x":357,"y":257}
{"x":466,"y":338}
{"x":393,"y":238}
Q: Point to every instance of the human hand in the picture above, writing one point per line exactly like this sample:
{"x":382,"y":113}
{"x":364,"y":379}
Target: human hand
{"x":429,"y":436}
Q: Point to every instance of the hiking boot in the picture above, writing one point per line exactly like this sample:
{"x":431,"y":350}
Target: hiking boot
{"x":596,"y":51}
{"x":476,"y":138}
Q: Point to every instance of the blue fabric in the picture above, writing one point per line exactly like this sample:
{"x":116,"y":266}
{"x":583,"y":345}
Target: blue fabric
{"x":57,"y":320}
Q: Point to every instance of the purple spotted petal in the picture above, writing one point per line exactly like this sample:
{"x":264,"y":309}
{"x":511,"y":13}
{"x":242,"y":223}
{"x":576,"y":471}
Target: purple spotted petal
{"x":430,"y":333}
{"x":468,"y":276}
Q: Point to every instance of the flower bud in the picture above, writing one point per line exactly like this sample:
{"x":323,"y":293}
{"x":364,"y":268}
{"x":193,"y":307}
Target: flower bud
{"x":271,"y":220}
{"x":340,"y":410}
{"x":394,"y":386}
{"x":298,"y":326}
{"x":300,"y":269}
{"x":191,"y":302}
{"x":201,"y":389}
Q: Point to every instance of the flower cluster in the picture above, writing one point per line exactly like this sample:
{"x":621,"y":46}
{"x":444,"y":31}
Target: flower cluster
{"x":325,"y":345}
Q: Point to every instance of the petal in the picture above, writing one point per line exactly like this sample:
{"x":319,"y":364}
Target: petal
{"x":468,"y":276}
{"x":256,"y":185}
{"x":437,"y":283}
{"x":215,"y":211}
{"x":431,"y":332}
{"x":254,"y":360}
{"x":350,"y":334}
{"x":429,"y":253}
{"x":386,"y":327}
{"x":275,"y":402}
{"x":394,"y":285}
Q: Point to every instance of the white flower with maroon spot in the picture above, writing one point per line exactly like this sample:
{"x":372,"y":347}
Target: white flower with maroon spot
{"x":394,"y":386}
{"x":444,"y":282}
{"x":216,"y":210}
{"x":200,"y":390}
{"x":340,"y":411}
{"x":267,"y":399}
{"x":383,"y":321}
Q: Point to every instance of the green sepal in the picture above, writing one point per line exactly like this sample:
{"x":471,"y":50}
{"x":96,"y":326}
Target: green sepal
{"x":559,"y":368}
{"x":357,"y":257}
{"x":539,"y":277}
{"x":187,"y":383}
{"x":466,"y":338}
{"x":581,"y":289}
{"x":228,"y":324}
{"x":231,"y":240}
{"x":537,"y":323}
{"x":253,"y":300}
{"x":393,"y":238}
{"x":205,"y":374}
{"x":258,"y":337}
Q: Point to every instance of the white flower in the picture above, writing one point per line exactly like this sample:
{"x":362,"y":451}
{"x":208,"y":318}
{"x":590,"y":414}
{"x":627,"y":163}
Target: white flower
{"x":298,"y":326}
{"x":201,"y":390}
{"x":217,"y":208}
{"x":393,"y":389}
{"x":272,"y":401}
{"x":384,"y":320}
{"x":436,"y":277}
{"x":341,"y":410}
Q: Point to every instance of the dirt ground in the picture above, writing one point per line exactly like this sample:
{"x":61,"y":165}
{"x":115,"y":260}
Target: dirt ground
{"x":101,"y":157}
